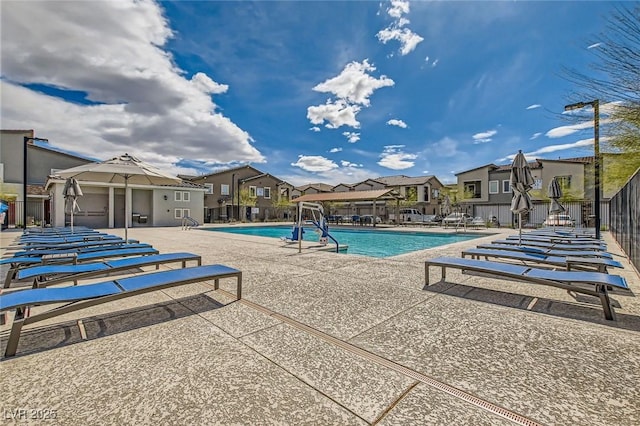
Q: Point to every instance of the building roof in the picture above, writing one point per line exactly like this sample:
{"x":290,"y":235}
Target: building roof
{"x":219,"y":172}
{"x":280,"y":181}
{"x":490,"y":166}
{"x":374,"y":194}
{"x":399,"y":180}
{"x":322,"y":187}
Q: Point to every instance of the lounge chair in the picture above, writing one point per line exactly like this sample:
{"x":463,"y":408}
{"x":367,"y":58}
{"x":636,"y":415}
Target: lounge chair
{"x":568,"y":262}
{"x":555,"y":239}
{"x":592,"y":283}
{"x":84,"y":296}
{"x":25,"y":261}
{"x":559,"y":246}
{"x":44,"y":252}
{"x":46,"y":275}
{"x":478,"y":222}
{"x":547,"y":251}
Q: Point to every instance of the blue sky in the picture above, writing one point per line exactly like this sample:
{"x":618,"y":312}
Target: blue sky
{"x":326,"y":91}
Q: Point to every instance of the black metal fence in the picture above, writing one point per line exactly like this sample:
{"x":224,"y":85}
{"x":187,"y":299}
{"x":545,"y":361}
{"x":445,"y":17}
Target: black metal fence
{"x":37,"y":214}
{"x":625,"y":218}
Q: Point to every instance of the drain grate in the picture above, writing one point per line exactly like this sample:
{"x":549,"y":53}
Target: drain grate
{"x":453,"y":391}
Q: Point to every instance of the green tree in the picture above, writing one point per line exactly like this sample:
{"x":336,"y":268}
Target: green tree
{"x":614,"y":78}
{"x":246,"y":200}
{"x":280,"y":205}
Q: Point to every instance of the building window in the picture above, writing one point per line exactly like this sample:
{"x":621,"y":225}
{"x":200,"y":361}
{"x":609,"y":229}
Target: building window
{"x":224,"y":189}
{"x":186,"y":196}
{"x":506,"y":186}
{"x":472,"y":190}
{"x":260,"y":192}
{"x":537,"y":184}
{"x":209,"y":187}
{"x":252,"y":191}
{"x":494,"y":187}
{"x":564,"y":181}
{"x":180,"y":213}
{"x":267,"y":192}
{"x":427,"y":192}
{"x":177,"y":196}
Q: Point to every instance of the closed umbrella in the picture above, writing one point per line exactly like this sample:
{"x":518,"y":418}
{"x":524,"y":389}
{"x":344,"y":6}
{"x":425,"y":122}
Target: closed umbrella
{"x":123,"y":169}
{"x":446,"y":206}
{"x":71,"y":192}
{"x":554,"y":191}
{"x":521,"y":183}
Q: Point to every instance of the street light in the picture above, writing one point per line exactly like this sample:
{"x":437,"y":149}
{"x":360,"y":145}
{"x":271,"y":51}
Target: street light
{"x":596,"y":147}
{"x":24,"y":176}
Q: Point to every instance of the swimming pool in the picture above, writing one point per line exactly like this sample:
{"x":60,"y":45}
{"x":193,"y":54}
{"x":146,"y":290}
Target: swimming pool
{"x":367,"y":242}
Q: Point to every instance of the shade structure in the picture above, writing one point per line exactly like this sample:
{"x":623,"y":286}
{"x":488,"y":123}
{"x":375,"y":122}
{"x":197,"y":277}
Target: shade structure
{"x":554,"y":192}
{"x":71,"y":192}
{"x":124,"y":169}
{"x":521,"y":183}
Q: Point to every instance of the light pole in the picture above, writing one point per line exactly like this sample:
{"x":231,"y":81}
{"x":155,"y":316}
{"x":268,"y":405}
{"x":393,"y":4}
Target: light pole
{"x":596,"y":147}
{"x":24,"y":175}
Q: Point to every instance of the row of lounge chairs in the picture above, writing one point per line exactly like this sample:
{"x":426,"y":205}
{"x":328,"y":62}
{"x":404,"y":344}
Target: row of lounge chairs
{"x":48,"y":259}
{"x":529,"y":258}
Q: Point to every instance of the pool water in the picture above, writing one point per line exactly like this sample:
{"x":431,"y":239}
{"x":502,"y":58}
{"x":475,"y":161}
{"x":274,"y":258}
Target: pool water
{"x":364,"y":242}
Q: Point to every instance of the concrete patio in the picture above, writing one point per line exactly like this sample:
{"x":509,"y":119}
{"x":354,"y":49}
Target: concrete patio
{"x":331,"y":339}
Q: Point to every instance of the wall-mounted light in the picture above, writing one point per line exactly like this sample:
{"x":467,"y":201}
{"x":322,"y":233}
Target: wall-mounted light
{"x":165,"y":197}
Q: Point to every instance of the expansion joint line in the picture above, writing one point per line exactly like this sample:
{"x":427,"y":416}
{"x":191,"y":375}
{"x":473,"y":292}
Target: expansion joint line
{"x":422,"y":378}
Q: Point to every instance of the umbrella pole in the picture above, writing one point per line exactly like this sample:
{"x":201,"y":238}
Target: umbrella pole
{"x":126,"y":216}
{"x":72,"y":218}
{"x":520,"y":228}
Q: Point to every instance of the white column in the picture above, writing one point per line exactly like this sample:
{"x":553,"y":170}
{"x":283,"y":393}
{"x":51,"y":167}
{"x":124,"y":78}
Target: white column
{"x":111,"y":214}
{"x":58,"y":205}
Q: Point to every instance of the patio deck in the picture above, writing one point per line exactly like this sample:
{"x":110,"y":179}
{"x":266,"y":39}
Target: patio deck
{"x":325,"y":338}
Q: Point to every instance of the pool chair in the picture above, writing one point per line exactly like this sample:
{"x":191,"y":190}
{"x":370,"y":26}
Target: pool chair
{"x":547,"y":251}
{"x":46,"y":275}
{"x":69,"y":246}
{"x":543,"y":244}
{"x":84,"y":296}
{"x":555,"y":239}
{"x":71,"y":257}
{"x":591,"y":283}
{"x":568,"y":262}
{"x":294,"y":235}
{"x":49,"y":251}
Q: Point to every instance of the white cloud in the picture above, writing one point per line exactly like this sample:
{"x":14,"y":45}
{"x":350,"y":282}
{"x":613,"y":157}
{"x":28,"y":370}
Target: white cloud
{"x":345,"y":163}
{"x":336,"y":114}
{"x":559,"y":132}
{"x":534,"y":106}
{"x":484,"y":137}
{"x":398,"y":8}
{"x":433,"y":65}
{"x":354,"y":84}
{"x":446,"y":147}
{"x":397,"y":31}
{"x":352,"y":87}
{"x":593,"y":46}
{"x":315,"y":129}
{"x":352,"y":137}
{"x":314,"y":163}
{"x":333,"y":150}
{"x":143,"y":102}
{"x":554,"y":148}
{"x":394,"y":158}
{"x":396,"y":122}
{"x":535,"y":136}
{"x":407,"y":38}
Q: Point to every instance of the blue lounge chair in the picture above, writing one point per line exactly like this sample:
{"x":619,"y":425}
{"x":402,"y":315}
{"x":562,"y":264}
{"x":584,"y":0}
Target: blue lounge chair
{"x":44,"y":252}
{"x":46,"y":275}
{"x":25,"y":261}
{"x":592,"y":283}
{"x":84,"y":296}
{"x":548,"y":251}
{"x":557,"y":246}
{"x":568,"y":262}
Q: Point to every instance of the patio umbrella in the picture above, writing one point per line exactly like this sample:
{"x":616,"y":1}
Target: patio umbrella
{"x":71,"y":192}
{"x":123,"y":169}
{"x":446,"y":206}
{"x":554,"y":191}
{"x":521,"y":182}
